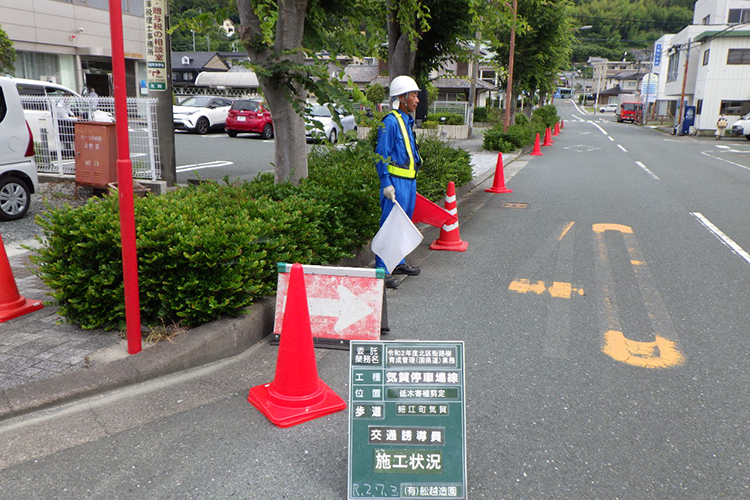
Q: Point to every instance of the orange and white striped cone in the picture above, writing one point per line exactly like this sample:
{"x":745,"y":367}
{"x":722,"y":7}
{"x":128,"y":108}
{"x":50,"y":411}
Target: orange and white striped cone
{"x":450,"y":238}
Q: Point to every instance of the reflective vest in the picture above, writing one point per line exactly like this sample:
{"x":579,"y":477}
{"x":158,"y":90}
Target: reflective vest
{"x":404,"y":171}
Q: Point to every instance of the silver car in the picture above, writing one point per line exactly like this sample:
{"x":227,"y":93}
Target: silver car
{"x":18,"y":178}
{"x":320,"y":115}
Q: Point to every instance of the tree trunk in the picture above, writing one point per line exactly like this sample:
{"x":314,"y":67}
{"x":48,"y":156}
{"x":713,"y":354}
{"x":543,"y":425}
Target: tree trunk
{"x":401,"y":56}
{"x":288,"y":126}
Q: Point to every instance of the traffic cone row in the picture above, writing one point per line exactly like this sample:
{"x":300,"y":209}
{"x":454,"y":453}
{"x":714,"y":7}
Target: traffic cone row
{"x":547,"y":138}
{"x":449,"y":238}
{"x":12,"y":303}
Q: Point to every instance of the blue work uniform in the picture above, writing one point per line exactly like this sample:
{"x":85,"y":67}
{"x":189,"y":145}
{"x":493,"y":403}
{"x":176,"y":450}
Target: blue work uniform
{"x":395,"y":167}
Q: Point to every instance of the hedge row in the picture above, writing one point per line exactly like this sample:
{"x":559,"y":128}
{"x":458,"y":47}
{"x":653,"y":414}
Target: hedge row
{"x":523,"y":132}
{"x":212,"y":249}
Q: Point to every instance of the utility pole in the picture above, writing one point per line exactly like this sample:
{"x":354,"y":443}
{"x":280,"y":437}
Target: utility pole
{"x":681,"y":115}
{"x":473,"y":84}
{"x":511,"y":58}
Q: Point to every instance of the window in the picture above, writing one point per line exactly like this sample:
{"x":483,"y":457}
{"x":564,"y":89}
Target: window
{"x":3,"y":106}
{"x":734,"y":107}
{"x":737,"y":16}
{"x":738,"y":56}
{"x":705,"y":57}
{"x":674,"y":66}
{"x":707,"y":19}
{"x":699,"y":106}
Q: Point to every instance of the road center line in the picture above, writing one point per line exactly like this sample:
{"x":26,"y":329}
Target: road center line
{"x":620,"y":146}
{"x":645,"y":169}
{"x":597,"y":126}
{"x":722,"y":237}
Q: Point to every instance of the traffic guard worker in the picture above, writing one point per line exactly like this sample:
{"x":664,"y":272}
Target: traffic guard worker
{"x":398,"y":161}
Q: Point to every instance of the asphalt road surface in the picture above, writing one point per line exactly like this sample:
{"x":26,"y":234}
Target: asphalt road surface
{"x":603,"y":305}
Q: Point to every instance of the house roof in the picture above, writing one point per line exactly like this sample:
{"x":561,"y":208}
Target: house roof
{"x":201,"y":61}
{"x":720,"y":34}
{"x":447,"y":82}
{"x":362,"y":73}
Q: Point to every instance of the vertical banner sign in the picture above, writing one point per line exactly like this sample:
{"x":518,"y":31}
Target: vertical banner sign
{"x":407,"y":420}
{"x":156,"y":60}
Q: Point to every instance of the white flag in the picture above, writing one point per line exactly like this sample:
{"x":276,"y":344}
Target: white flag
{"x":397,"y":238}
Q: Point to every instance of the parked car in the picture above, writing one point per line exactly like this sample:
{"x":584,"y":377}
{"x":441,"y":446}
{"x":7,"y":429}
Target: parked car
{"x":60,"y":109}
{"x":742,"y":127}
{"x":247,"y":115}
{"x":331,"y":130}
{"x":18,"y":178}
{"x":608,"y":107}
{"x":201,"y":113}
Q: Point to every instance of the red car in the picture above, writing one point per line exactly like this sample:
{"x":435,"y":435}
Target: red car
{"x":249,"y":116}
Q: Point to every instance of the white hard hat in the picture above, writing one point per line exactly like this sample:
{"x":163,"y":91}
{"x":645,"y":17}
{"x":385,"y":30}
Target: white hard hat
{"x":403,"y":84}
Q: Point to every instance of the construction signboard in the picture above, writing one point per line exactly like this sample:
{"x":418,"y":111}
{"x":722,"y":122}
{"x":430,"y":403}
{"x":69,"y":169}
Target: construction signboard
{"x":345,"y":303}
{"x":407,"y":420}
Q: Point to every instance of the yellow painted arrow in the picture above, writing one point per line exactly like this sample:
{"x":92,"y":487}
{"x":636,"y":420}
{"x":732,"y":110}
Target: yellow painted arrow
{"x":662,"y":353}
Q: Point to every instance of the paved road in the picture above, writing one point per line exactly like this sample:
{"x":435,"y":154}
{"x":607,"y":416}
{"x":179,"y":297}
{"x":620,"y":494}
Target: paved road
{"x":606,"y":350}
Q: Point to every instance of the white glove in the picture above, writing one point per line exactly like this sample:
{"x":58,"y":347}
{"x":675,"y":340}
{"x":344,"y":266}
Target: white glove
{"x":390,"y":193}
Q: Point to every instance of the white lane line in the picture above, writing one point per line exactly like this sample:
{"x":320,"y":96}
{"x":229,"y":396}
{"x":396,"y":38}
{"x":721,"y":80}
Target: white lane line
{"x":722,"y":237}
{"x":708,"y":153}
{"x":597,"y":126}
{"x":620,"y":146}
{"x":209,"y":164}
{"x":645,"y":169}
{"x":611,"y":138}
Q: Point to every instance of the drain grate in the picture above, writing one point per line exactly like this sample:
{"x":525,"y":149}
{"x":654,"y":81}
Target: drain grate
{"x":511,"y":204}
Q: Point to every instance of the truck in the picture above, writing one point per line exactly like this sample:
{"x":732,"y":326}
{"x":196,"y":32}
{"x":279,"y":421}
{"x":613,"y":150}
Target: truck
{"x":742,"y":127}
{"x":629,"y":109}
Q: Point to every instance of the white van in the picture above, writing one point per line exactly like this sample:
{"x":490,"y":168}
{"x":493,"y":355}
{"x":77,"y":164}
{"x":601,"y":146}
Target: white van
{"x":18,"y":178}
{"x":68,"y":106}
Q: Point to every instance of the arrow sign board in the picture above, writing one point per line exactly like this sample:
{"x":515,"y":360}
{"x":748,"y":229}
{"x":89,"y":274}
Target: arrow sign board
{"x":345,"y":303}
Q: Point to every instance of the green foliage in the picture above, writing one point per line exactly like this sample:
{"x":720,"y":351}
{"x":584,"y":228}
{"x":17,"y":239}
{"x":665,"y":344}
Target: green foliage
{"x":480,"y":114}
{"x":446,"y":118}
{"x":7,"y":54}
{"x":522,"y":133}
{"x":375,"y":94}
{"x":546,"y":115}
{"x":441,"y":164}
{"x":212,"y":249}
{"x":429,"y":125}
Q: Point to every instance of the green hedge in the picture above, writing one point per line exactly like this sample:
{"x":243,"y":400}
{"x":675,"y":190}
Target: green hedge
{"x":446,"y":118}
{"x":212,"y":249}
{"x":523,"y":132}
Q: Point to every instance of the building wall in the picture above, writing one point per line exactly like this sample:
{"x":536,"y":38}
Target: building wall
{"x":71,"y":32}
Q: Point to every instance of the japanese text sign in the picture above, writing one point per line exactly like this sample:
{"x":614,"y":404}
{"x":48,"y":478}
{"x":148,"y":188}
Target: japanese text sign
{"x":156,"y":37}
{"x":407,"y":420}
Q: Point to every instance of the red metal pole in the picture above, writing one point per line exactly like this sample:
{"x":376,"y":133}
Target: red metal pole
{"x":125,"y":183}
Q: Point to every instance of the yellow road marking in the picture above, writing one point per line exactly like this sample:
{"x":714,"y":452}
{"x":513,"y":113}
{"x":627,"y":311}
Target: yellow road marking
{"x":558,"y":289}
{"x":565,"y":231}
{"x":662,"y":353}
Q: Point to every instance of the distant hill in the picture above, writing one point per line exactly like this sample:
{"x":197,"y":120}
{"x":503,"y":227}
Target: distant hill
{"x":620,"y":26}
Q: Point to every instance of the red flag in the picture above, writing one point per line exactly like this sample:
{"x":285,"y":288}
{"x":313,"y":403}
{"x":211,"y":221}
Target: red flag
{"x":431,"y":213}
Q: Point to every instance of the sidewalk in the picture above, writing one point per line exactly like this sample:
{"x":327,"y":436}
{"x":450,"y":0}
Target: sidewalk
{"x":45,"y":362}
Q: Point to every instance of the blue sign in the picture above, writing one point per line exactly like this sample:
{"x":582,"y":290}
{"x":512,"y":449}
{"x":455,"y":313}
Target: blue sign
{"x":657,"y":55}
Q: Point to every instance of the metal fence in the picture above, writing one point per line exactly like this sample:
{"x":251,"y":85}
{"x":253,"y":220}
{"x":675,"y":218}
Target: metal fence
{"x":457,"y":107}
{"x":52,"y":121}
{"x":183,"y":93}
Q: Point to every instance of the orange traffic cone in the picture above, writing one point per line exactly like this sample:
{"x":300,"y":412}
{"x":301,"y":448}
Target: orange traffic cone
{"x":562,"y":124}
{"x":296,"y":394}
{"x":537,"y":150}
{"x":449,"y":238}
{"x":12,"y":304}
{"x":556,"y":131}
{"x":547,"y":138}
{"x":498,"y":185}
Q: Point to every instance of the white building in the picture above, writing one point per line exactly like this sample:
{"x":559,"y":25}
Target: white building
{"x":707,"y":64}
{"x":68,"y":42}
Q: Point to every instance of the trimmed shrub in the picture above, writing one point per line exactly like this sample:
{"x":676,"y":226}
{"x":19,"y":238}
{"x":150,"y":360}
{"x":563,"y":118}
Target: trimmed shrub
{"x":480,"y":114}
{"x":212,"y":249}
{"x":446,"y":118}
{"x":546,"y":115}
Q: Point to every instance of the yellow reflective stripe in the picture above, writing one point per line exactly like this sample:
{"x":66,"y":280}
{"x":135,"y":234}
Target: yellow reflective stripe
{"x":409,"y":173}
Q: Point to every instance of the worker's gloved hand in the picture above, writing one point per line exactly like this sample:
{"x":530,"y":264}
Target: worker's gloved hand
{"x":390,"y":193}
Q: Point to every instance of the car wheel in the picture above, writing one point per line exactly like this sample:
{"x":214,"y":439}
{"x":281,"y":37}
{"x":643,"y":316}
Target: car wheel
{"x":332,"y":136}
{"x":747,"y":137}
{"x":232,"y":133}
{"x":267,"y":131}
{"x":202,"y":126}
{"x":14,"y":198}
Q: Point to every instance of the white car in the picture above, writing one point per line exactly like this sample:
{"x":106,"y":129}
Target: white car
{"x":330,"y":129}
{"x":201,"y":113}
{"x":18,"y":178}
{"x":608,"y":107}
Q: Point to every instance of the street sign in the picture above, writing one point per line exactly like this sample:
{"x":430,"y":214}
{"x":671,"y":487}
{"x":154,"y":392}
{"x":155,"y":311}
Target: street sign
{"x":156,"y":60}
{"x":407,"y":420}
{"x":345,"y":303}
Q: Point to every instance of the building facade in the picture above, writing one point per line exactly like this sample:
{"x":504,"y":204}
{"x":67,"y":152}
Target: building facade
{"x":68,"y":42}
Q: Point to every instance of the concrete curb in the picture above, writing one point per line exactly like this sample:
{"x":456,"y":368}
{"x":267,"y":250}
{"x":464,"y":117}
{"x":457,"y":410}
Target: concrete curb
{"x":204,"y":344}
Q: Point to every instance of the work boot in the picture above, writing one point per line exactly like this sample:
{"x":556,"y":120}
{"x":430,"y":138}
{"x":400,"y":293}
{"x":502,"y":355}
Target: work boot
{"x":407,"y":270}
{"x":391,"y":282}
